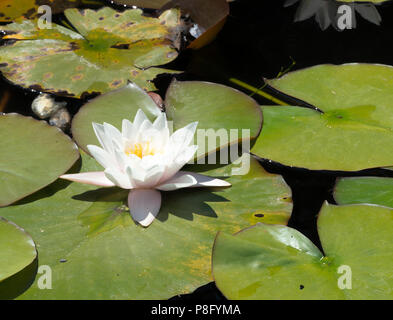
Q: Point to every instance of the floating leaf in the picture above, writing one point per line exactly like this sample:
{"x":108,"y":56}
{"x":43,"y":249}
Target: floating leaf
{"x":111,"y":108}
{"x":375,"y":190}
{"x":208,"y":16}
{"x":107,"y":256}
{"x":352,"y":132}
{"x":278,"y":262}
{"x":110,"y":49}
{"x":17,"y":253}
{"x":11,"y":9}
{"x":32,"y":155}
{"x":150,"y":4}
{"x":214,"y":106}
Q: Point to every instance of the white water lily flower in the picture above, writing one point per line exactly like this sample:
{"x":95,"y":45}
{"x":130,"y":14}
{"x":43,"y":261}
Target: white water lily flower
{"x":144,"y":158}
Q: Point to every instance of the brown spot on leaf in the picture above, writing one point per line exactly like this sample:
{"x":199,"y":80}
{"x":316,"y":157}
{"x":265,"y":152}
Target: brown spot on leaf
{"x":48,"y":75}
{"x":115,"y":83}
{"x":77,"y":77}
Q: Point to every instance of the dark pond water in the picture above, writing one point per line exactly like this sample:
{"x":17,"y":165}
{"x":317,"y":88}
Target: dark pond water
{"x":259,"y":40}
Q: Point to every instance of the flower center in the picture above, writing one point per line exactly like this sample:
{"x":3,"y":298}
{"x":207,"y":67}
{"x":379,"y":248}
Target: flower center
{"x":140,"y":149}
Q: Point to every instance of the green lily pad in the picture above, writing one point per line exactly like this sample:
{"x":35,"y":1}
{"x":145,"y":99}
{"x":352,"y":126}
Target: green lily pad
{"x":32,"y":155}
{"x":17,"y":256}
{"x":109,"y":49}
{"x":105,"y":255}
{"x":277,"y":262}
{"x":375,"y":190}
{"x":352,"y":129}
{"x":214,"y":106}
{"x":17,"y":249}
{"x":112,"y":108}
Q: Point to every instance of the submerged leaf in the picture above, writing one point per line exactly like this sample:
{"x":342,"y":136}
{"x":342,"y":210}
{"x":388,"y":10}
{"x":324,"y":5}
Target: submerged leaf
{"x":109,"y":49}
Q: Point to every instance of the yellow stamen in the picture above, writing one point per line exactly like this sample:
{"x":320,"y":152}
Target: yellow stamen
{"x":141,"y":150}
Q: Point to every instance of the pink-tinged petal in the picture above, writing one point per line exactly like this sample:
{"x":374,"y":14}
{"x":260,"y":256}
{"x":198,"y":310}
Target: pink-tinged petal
{"x":93,"y":178}
{"x":184,"y":179}
{"x":144,"y":205}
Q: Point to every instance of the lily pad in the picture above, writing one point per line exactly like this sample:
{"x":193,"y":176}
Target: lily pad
{"x":96,"y":251}
{"x":348,"y":126}
{"x":112,"y":108}
{"x":278,"y":262}
{"x":17,"y":249}
{"x":17,"y":254}
{"x":109,"y":49}
{"x":32,"y":155}
{"x":11,"y":10}
{"x":214,"y":106}
{"x":150,"y":4}
{"x":375,"y":190}
{"x":208,"y":16}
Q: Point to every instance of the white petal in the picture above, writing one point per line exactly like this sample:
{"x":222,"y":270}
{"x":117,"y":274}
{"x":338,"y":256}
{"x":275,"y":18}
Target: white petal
{"x":160,"y":122}
{"x":185,"y":179}
{"x":93,"y":178}
{"x":178,"y":162}
{"x":127,"y":129}
{"x":183,"y":137}
{"x":140,"y":117}
{"x":102,"y":156}
{"x":104,"y":140}
{"x":144,"y":205}
{"x":118,"y":178}
{"x":113,"y":134}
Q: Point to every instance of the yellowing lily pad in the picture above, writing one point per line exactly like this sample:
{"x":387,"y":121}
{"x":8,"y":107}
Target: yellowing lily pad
{"x":109,"y":49}
{"x":277,"y":262}
{"x":32,"y":155}
{"x":151,"y":4}
{"x":11,"y":9}
{"x":96,"y":251}
{"x":350,"y":131}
